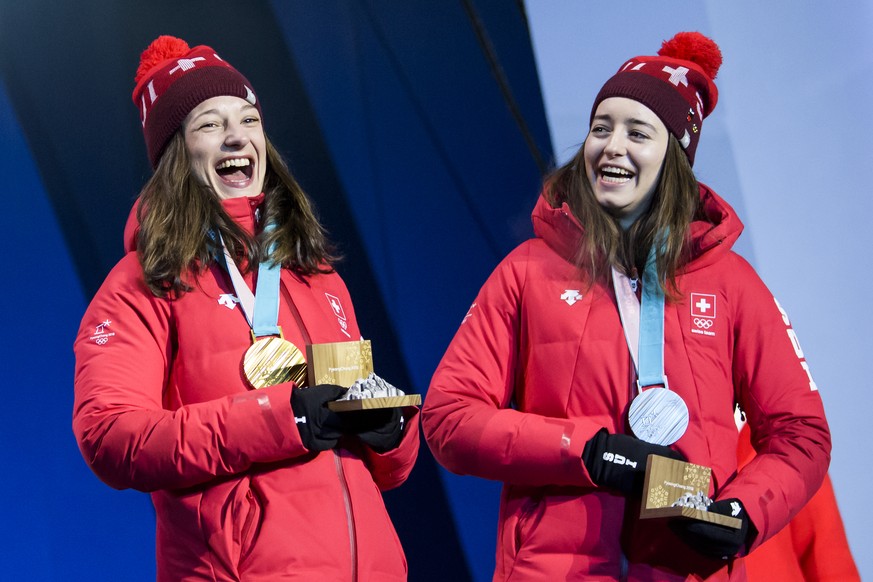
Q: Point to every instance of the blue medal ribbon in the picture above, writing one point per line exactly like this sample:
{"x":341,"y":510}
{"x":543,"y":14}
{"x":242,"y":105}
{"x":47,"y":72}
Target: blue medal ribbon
{"x":261,"y":309}
{"x":651,"y":348}
{"x":656,"y":415}
{"x":266,"y":317}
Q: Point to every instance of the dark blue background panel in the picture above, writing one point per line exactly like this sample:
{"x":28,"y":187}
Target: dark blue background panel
{"x":59,"y":522}
{"x":435,"y":169}
{"x":418,"y":129}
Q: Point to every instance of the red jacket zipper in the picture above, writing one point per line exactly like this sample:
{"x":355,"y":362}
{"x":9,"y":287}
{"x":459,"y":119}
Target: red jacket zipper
{"x":350,"y":518}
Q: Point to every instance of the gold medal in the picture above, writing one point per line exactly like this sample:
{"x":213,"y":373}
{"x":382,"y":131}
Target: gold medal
{"x":273,"y":360}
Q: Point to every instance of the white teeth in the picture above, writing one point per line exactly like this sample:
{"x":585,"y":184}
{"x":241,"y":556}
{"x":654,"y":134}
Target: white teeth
{"x":615,"y":175}
{"x":233,"y":163}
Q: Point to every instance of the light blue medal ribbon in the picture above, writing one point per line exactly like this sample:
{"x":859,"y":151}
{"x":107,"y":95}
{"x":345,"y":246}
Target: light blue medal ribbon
{"x":270,"y":359}
{"x":651,"y":348}
{"x":657,"y":414}
{"x":261,"y":309}
{"x":265,"y":321}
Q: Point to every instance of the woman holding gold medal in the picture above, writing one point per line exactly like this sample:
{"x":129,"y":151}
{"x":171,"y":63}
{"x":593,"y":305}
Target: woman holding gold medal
{"x":628,"y":328}
{"x":187,"y":360}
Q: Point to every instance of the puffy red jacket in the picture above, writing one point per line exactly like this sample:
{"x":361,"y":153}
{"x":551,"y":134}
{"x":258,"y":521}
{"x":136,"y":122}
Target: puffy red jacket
{"x":161,"y":405}
{"x":540,"y":363}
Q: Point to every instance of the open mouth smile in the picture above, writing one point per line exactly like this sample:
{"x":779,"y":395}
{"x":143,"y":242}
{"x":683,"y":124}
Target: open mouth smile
{"x":615,"y":175}
{"x":235,"y":172}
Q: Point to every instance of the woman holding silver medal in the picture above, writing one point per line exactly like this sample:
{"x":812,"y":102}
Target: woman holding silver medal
{"x":628,"y":328}
{"x":187,"y":361}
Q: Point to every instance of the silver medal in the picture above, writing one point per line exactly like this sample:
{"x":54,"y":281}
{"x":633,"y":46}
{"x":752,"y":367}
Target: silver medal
{"x":658,"y":416}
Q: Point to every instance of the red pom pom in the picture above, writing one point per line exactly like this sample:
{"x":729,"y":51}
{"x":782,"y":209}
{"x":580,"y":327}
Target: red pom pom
{"x":694,"y":47}
{"x":162,"y":48}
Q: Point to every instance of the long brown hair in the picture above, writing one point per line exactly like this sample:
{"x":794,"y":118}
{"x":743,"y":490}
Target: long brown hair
{"x":177,"y":215}
{"x":605,"y":244}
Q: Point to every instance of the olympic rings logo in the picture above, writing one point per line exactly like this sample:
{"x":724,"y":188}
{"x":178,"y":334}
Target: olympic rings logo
{"x":703,"y":323}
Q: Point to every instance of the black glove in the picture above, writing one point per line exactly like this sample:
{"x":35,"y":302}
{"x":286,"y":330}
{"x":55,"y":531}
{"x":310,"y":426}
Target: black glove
{"x":379,"y":428}
{"x":714,"y":540}
{"x":319,"y":427}
{"x":618,"y":461}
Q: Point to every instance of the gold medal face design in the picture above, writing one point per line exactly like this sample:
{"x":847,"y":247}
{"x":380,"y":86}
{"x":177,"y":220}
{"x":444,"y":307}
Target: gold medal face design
{"x":272,"y":360}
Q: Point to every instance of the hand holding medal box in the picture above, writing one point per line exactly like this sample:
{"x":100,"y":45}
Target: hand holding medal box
{"x":678,"y":489}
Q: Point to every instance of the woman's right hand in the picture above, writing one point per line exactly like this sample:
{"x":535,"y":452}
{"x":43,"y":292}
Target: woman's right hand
{"x":618,"y":461}
{"x":320,"y":428}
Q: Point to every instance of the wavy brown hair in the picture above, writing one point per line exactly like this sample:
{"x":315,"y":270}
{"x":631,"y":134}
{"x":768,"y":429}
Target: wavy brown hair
{"x":177,"y":215}
{"x":674,"y":205}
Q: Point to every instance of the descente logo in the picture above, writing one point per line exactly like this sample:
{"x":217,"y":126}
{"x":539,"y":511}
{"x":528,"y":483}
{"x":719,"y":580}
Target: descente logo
{"x":571,"y":296}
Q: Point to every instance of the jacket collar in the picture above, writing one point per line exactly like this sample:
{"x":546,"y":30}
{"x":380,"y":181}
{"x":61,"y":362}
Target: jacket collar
{"x":244,"y":211}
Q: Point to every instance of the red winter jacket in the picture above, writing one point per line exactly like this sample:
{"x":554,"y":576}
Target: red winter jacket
{"x":540,"y":363}
{"x":161,"y":405}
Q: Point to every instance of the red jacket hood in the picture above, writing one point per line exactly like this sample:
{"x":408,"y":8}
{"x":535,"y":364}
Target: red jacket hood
{"x":710,"y":241}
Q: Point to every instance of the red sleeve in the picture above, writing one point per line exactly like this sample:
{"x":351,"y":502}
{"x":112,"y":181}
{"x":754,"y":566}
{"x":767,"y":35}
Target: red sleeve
{"x":783,"y":408}
{"x":123,"y":354}
{"x":467,"y":417}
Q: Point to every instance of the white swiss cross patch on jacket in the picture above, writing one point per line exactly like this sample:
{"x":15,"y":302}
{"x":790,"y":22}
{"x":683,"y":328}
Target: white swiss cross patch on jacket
{"x":340,"y":313}
{"x":703,"y":313}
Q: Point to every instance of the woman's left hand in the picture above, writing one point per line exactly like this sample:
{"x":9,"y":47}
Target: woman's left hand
{"x":380,"y":429}
{"x":714,"y":540}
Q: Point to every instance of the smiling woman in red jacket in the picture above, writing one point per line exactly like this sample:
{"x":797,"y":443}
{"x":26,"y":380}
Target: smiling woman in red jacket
{"x":629,"y":327}
{"x":182,"y":384}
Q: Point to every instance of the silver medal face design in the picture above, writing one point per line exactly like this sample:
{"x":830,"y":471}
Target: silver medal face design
{"x":658,"y":416}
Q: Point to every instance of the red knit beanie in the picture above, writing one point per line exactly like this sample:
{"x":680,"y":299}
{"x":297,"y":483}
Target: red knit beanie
{"x":172,"y":79}
{"x":677,"y":85}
